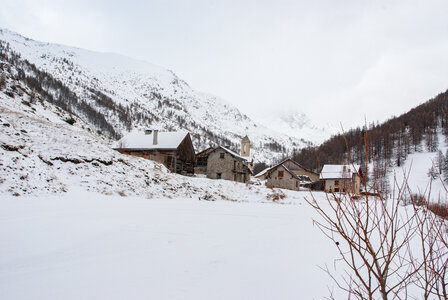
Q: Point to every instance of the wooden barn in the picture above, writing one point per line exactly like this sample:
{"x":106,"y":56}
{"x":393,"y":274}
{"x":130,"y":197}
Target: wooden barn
{"x":201,"y":161}
{"x":173,"y":149}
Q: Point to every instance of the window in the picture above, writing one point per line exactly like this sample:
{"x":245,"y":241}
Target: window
{"x":336,"y":182}
{"x":336,"y":190}
{"x":218,"y":175}
{"x":221,"y":155}
{"x":280,"y":174}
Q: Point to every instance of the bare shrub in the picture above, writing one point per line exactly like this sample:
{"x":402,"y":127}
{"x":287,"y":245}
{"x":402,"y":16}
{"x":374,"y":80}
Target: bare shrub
{"x":276,"y":195}
{"x":371,"y":237}
{"x":439,"y":209}
{"x":389,"y":250}
{"x":418,"y":200}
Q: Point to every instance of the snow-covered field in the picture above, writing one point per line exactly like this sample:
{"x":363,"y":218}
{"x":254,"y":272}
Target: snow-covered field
{"x":91,"y":246}
{"x":79,"y":220}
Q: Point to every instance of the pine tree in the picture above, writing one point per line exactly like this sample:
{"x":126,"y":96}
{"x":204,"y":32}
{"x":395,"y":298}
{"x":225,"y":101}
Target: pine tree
{"x":445,"y":167}
{"x":440,"y":160}
{"x":2,"y":81}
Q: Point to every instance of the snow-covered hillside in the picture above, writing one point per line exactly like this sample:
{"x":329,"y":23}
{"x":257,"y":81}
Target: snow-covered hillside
{"x":416,"y":172}
{"x":153,"y":96}
{"x":40,"y":153}
{"x":297,"y":124}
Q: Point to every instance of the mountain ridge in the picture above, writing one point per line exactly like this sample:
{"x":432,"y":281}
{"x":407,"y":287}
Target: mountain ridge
{"x":153,"y":96}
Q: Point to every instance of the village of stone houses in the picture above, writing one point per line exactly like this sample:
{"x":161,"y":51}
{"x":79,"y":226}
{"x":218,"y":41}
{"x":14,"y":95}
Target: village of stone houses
{"x":176,"y":152}
{"x":120,"y":181}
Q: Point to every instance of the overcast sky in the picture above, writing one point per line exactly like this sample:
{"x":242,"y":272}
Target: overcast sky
{"x":333,"y":60}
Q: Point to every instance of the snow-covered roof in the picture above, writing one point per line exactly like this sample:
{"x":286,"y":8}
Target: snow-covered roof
{"x":299,"y":177}
{"x":338,"y":171}
{"x":204,"y":152}
{"x":268,"y":171}
{"x":296,"y":163}
{"x":141,"y":140}
{"x":263,"y":172}
{"x":282,"y":163}
{"x":232,"y":153}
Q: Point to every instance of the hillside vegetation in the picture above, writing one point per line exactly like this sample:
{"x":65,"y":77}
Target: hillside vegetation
{"x":389,"y":143}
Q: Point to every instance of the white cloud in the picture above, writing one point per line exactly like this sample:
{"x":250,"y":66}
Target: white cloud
{"x":376,"y":58}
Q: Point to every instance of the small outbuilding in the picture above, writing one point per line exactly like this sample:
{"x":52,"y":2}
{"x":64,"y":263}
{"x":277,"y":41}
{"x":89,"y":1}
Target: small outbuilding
{"x":173,"y":149}
{"x":341,"y":178}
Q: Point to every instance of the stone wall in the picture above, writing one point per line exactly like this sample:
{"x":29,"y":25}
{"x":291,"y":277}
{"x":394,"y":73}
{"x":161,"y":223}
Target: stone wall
{"x":284,"y":182}
{"x":222,"y":164}
{"x":353,"y":185}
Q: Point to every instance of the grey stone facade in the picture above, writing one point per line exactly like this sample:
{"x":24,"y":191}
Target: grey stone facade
{"x":224,"y":164}
{"x":281,"y":177}
{"x":285,"y":181}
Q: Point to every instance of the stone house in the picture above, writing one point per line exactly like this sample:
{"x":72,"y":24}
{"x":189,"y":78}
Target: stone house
{"x":341,"y":178}
{"x":300,"y":170}
{"x":223,"y":163}
{"x":280,"y":176}
{"x":292,"y":166}
{"x":173,"y":149}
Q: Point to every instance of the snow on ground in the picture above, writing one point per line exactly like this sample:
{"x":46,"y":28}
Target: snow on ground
{"x":90,"y":246}
{"x":416,"y":169}
{"x":79,"y":220}
{"x":67,"y":231}
{"x":82,"y":221}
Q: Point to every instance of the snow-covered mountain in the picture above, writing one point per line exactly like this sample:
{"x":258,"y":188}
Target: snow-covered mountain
{"x":297,"y":124}
{"x":147,"y":96}
{"x":41,"y":153}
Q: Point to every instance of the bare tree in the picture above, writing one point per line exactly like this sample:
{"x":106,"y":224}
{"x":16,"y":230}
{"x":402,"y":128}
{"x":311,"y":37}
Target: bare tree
{"x":372,"y":237}
{"x":389,"y":250}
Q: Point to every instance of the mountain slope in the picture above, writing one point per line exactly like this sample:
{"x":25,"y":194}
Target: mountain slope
{"x":148,"y":96}
{"x":411,"y":146}
{"x":44,"y":151}
{"x":297,"y":124}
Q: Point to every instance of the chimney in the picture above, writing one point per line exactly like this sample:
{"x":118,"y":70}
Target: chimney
{"x":155,"y":137}
{"x":148,"y":131}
